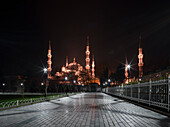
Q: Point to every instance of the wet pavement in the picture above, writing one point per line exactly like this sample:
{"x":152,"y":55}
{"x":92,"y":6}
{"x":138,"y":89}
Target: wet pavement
{"x":85,"y":109}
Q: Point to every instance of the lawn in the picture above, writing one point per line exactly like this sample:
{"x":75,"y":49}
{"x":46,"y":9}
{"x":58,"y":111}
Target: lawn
{"x":5,"y":98}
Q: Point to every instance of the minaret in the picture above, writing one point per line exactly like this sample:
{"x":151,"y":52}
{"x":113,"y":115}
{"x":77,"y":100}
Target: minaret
{"x":140,"y":57}
{"x":49,"y":62}
{"x":93,"y":70}
{"x":87,"y":56}
{"x":126,"y":69}
{"x":74,"y":60}
{"x":66,"y":61}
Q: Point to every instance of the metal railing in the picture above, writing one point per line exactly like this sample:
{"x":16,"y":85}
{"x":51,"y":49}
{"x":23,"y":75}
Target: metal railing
{"x":156,"y":93}
{"x":9,"y":104}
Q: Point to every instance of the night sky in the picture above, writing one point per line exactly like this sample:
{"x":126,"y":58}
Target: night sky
{"x":114,"y":28}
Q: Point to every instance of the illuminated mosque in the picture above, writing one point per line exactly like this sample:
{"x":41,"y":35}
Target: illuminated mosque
{"x":73,"y":73}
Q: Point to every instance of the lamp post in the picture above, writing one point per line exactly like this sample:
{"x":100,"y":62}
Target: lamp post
{"x":3,"y":84}
{"x":128,"y":67}
{"x":46,"y":78}
{"x":65,"y":79}
{"x":42,"y":84}
{"x":109,"y":80}
{"x":75,"y":88}
{"x":104,"y":87}
{"x":22,"y":86}
{"x":82,"y":86}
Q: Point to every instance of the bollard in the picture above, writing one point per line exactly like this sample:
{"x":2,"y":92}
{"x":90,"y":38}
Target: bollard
{"x":17,"y":102}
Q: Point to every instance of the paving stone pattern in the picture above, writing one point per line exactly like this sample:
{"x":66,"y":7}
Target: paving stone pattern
{"x":85,"y":110}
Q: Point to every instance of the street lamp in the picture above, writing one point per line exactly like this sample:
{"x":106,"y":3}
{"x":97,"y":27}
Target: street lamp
{"x":42,"y":83}
{"x":74,"y":81}
{"x":128,"y":66}
{"x":3,"y":84}
{"x":109,"y":80}
{"x":45,"y":72}
{"x":66,"y":78}
{"x":66,"y":87}
{"x":104,"y":85}
{"x":22,"y":86}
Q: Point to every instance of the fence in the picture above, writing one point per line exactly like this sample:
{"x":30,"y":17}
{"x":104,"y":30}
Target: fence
{"x":156,"y":93}
{"x":16,"y":103}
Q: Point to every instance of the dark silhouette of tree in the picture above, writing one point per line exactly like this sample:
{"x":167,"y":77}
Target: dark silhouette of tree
{"x":120,"y":73}
{"x":104,"y":75}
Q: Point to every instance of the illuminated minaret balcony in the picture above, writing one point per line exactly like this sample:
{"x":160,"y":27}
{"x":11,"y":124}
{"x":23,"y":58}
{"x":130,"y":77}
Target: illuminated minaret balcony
{"x":126,"y":70}
{"x":140,"y":57}
{"x":93,"y":70}
{"x":87,"y":56}
{"x":66,"y":61}
{"x":49,"y":62}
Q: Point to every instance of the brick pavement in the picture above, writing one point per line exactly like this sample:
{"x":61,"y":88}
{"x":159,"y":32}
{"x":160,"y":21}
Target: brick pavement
{"x":86,"y":109}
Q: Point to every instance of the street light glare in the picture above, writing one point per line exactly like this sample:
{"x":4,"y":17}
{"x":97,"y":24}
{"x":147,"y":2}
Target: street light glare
{"x":109,"y":80}
{"x":66,"y":78}
{"x":45,"y":70}
{"x":74,"y":81}
{"x":128,"y":66}
{"x":42,"y":83}
{"x":3,"y":84}
{"x":22,"y":84}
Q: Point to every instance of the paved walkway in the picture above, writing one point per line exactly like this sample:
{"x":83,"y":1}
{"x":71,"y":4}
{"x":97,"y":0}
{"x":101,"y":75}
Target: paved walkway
{"x":86,"y":109}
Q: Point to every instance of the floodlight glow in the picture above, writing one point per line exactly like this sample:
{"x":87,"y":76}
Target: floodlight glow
{"x":66,"y":78}
{"x":109,"y":80}
{"x":45,"y":70}
{"x":74,"y":81}
{"x":22,"y":84}
{"x":128,"y":66}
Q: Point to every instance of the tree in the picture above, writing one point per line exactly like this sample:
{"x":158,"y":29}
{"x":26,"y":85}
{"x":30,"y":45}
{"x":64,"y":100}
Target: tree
{"x":120,"y":73}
